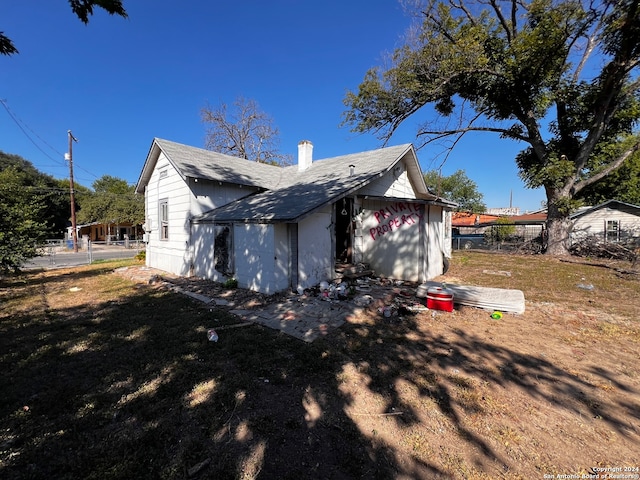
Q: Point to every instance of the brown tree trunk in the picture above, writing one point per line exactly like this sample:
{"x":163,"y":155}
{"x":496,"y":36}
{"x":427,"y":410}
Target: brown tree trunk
{"x":558,"y":230}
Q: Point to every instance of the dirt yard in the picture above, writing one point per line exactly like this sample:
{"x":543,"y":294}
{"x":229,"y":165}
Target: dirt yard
{"x":120,"y":383}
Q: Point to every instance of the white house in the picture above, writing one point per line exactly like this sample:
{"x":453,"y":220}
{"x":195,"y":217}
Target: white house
{"x":610,"y":221}
{"x":272,"y":229}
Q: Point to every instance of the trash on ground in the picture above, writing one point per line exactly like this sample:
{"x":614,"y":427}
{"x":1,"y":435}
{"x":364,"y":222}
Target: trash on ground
{"x":505,"y":300}
{"x":586,"y":286}
{"x":212,"y":335}
{"x":75,"y":289}
{"x":363,"y":300}
{"x":496,"y":315}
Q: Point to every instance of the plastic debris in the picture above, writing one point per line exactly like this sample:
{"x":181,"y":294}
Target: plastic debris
{"x":212,"y":335}
{"x":363,"y":300}
{"x":496,"y":315}
{"x":586,"y":286}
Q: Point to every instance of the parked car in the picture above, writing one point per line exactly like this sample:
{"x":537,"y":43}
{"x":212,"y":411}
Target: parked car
{"x":466,"y":241}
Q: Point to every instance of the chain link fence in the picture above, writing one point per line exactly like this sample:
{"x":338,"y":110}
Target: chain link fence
{"x":56,"y":253}
{"x":510,"y":237}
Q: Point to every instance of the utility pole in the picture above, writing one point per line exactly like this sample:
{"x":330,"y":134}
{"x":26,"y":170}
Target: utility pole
{"x":69,"y":156}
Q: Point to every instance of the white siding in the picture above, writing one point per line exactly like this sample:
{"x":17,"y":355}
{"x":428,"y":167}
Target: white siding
{"x":594,"y":223}
{"x":207,"y":195}
{"x":169,"y":255}
{"x":282,"y":267}
{"x":202,"y":241}
{"x":392,"y":236}
{"x":392,"y":184}
{"x":257,"y":250}
{"x":435,"y":243}
{"x":315,"y":249}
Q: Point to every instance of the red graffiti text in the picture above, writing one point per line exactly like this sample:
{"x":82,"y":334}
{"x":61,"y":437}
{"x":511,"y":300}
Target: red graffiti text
{"x":394,"y":217}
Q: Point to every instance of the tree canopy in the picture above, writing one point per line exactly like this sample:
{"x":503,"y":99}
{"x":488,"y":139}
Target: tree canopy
{"x":112,"y":200}
{"x":29,"y":210}
{"x":457,"y":187}
{"x":243,"y":131}
{"x":622,"y":184}
{"x":561,"y":76}
{"x":83,"y":9}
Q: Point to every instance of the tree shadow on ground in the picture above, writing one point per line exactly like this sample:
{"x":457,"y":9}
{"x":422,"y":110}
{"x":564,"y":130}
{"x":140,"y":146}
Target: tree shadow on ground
{"x":133,"y":389}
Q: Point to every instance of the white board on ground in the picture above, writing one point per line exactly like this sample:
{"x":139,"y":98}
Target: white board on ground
{"x":502,"y":299}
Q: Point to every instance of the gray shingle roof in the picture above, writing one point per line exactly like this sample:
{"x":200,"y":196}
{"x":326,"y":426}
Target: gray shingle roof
{"x":300,"y":193}
{"x":289,"y":194}
{"x":205,"y":164}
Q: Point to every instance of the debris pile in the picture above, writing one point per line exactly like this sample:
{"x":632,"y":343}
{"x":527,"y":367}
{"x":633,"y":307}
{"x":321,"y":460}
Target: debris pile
{"x":356,"y":283}
{"x":596,"y":248}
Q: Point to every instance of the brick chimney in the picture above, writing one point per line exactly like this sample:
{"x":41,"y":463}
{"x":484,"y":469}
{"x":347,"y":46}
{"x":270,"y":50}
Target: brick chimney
{"x":305,"y":155}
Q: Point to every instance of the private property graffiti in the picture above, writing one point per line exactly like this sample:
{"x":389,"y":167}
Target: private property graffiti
{"x":395,"y":217}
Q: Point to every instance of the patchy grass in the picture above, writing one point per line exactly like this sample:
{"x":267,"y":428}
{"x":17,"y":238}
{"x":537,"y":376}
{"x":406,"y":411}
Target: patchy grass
{"x":105,"y":378}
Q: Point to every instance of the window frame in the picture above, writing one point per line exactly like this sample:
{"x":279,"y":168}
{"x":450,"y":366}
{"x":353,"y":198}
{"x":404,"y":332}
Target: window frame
{"x":612,"y":230}
{"x":163,"y":219}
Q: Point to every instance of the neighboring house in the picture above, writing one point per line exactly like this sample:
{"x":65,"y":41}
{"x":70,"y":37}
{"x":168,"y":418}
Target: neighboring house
{"x":105,"y":232}
{"x":271,"y":228}
{"x":468,"y":229}
{"x":611,"y":221}
{"x":464,"y":223}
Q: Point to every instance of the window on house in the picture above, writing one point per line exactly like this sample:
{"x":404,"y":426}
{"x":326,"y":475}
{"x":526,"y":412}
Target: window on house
{"x":613,"y":231}
{"x":164,"y":219}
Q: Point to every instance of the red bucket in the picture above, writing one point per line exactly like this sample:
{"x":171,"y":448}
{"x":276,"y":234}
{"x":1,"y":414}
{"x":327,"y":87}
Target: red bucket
{"x":440,"y":299}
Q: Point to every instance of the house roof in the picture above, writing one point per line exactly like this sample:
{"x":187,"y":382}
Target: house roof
{"x":286,"y":194}
{"x":469,"y":219}
{"x":300,"y":193}
{"x":613,"y":204}
{"x":204,"y":164}
{"x":535,"y":217}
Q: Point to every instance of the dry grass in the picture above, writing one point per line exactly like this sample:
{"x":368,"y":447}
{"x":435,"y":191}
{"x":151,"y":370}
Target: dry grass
{"x":117,"y":380}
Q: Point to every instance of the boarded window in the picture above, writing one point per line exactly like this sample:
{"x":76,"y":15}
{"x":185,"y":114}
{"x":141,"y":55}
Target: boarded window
{"x":163,"y":210}
{"x":223,"y":248}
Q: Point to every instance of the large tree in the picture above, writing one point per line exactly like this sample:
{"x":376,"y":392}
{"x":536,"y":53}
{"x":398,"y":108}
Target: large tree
{"x":83,"y":10}
{"x":243,"y":131}
{"x":559,"y":75}
{"x":112,"y":200}
{"x":23,"y":221}
{"x":622,"y":184}
{"x":52,"y":193}
{"x":457,"y":187}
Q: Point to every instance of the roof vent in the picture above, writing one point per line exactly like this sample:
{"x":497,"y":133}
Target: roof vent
{"x":352,"y":170}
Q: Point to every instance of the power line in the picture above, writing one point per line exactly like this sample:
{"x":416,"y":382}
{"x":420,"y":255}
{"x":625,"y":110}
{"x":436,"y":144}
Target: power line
{"x":20,"y":124}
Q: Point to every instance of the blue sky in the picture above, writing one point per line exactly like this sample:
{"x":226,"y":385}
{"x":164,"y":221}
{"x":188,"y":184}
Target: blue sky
{"x":118,"y":83}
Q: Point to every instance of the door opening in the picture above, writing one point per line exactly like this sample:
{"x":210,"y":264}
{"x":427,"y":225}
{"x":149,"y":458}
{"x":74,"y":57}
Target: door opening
{"x":344,"y":231}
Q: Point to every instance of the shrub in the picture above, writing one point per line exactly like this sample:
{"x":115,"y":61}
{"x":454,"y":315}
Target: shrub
{"x":231,"y":283}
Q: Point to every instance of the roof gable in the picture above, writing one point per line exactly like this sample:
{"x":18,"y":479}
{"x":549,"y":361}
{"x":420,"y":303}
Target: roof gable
{"x":612,"y":204}
{"x":193,"y":162}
